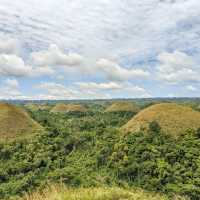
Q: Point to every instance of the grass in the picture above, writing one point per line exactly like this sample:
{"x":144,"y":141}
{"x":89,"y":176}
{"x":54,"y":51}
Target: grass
{"x":123,"y":106}
{"x":63,"y":108}
{"x":174,"y":119}
{"x":15,"y":122}
{"x":114,"y":193}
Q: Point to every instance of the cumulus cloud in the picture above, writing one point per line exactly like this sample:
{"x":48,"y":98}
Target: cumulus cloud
{"x":177,"y":67}
{"x":42,"y":71}
{"x":114,"y":71}
{"x":55,"y":91}
{"x":96,"y":27}
{"x":116,"y":89}
{"x":8,"y":46}
{"x":134,"y":91}
{"x":53,"y":56}
{"x":99,"y":86}
{"x":12,"y":65}
{"x":52,"y":90}
{"x":103,"y":29}
{"x":10,"y":89}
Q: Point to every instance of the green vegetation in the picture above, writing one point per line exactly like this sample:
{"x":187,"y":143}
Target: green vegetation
{"x":65,"y":108}
{"x":15,"y":122}
{"x":174,"y":119}
{"x":123,"y":106}
{"x":86,"y":151}
{"x":34,"y":107}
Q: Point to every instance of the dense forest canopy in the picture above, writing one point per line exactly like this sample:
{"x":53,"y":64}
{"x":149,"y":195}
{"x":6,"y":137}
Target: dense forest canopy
{"x":88,"y":149}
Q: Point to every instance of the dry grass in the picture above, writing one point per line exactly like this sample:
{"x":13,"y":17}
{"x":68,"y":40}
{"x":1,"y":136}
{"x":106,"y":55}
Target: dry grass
{"x":61,"y":193}
{"x":123,"y":106}
{"x":174,"y":119}
{"x":15,"y":122}
{"x":64,"y":108}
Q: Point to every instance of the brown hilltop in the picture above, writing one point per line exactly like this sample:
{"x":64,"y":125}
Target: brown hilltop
{"x":123,"y":107}
{"x":15,"y":122}
{"x":174,"y":119}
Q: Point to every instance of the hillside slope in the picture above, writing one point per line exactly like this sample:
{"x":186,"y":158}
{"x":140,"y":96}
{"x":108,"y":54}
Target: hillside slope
{"x":123,"y":107}
{"x":174,"y":119}
{"x":15,"y":122}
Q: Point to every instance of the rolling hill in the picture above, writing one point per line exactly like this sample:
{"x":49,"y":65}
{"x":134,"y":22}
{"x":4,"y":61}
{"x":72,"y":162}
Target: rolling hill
{"x":16,"y":122}
{"x":174,"y":119}
{"x":123,"y":107}
{"x":65,"y":108}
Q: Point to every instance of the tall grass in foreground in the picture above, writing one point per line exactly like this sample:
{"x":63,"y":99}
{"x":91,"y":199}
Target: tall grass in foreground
{"x":62,"y":193}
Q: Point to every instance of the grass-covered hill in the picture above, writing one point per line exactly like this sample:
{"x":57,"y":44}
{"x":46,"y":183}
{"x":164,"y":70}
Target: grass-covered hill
{"x":15,"y":122}
{"x":174,"y":119}
{"x":88,"y":151}
{"x":32,"y":106}
{"x":123,"y":107}
{"x":65,"y":108}
{"x":103,"y":193}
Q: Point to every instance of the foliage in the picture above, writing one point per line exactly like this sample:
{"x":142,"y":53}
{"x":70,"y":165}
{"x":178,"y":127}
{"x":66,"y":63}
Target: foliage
{"x":64,"y":108}
{"x":87,"y":150}
{"x":72,"y":150}
{"x":159,"y":162}
{"x":154,"y":127}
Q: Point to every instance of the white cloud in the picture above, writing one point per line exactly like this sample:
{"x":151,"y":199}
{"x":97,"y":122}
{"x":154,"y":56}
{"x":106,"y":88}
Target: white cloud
{"x":42,"y":71}
{"x":62,"y":62}
{"x":116,"y":89}
{"x":53,"y":56}
{"x":8,"y":46}
{"x":10,"y":89}
{"x":177,"y":67}
{"x":134,"y":91}
{"x":12,"y":65}
{"x":103,"y":29}
{"x":53,"y":90}
{"x":113,"y":71}
{"x":96,"y":27}
{"x":99,"y":86}
{"x":12,"y":83}
{"x":191,"y":88}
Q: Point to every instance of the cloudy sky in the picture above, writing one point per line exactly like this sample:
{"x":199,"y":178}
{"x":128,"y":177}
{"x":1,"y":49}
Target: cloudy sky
{"x":86,"y":49}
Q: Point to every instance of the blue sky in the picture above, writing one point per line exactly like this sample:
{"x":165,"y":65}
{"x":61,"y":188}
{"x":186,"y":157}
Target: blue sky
{"x":87,"y":49}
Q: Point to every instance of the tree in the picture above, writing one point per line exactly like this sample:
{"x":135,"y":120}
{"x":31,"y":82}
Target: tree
{"x":154,"y":127}
{"x":198,"y":132}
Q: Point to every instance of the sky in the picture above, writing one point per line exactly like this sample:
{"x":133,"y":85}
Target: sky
{"x":98,"y":49}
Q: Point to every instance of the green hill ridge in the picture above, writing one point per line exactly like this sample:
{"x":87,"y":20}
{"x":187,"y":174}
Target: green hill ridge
{"x":65,"y":108}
